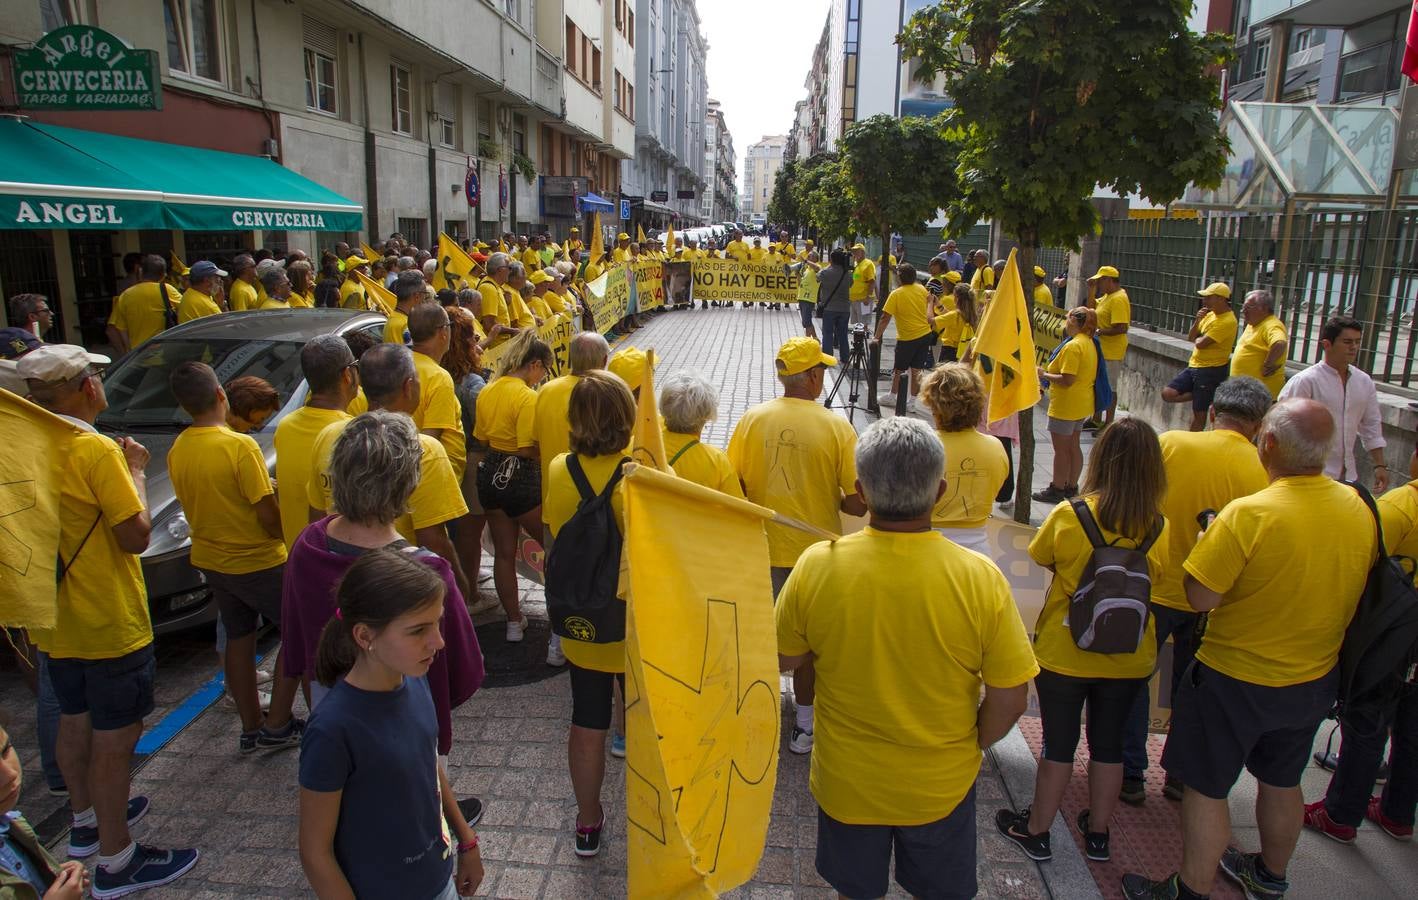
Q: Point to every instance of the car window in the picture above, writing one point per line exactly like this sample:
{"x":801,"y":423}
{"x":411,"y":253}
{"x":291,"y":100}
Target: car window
{"x":139,"y":395}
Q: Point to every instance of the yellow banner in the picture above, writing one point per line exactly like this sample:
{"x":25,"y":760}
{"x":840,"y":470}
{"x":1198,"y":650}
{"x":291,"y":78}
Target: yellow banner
{"x":376,"y":296}
{"x":701,"y":688}
{"x":29,"y":511}
{"x":557,"y":332}
{"x":728,"y":280}
{"x":608,"y":298}
{"x":1048,"y":328}
{"x":649,"y":284}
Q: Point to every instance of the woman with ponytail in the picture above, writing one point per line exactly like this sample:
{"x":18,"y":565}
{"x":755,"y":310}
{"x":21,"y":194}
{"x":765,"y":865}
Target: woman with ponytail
{"x":373,"y":798}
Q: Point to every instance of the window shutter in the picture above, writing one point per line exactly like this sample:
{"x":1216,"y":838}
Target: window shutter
{"x":318,"y":36}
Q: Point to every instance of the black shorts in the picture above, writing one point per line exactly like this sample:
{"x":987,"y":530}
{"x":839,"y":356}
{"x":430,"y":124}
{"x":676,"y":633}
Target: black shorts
{"x":115,"y":692}
{"x":949,"y":354}
{"x":592,"y":697}
{"x":509,"y":483}
{"x":914,"y":354}
{"x":1061,"y":702}
{"x":934,"y":860}
{"x":805,"y":311}
{"x":243,"y":599}
{"x":1221,"y":724}
{"x":1201,"y":384}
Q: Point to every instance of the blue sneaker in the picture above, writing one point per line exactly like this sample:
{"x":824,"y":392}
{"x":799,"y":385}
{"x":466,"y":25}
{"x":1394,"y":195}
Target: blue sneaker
{"x":148,"y":868}
{"x":618,"y":746}
{"x":83,"y":839}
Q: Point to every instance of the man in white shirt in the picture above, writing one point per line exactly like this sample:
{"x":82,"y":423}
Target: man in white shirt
{"x":1351,"y":398}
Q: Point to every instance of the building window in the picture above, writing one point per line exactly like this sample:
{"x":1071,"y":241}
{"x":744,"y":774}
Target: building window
{"x":401,"y":98}
{"x":519,"y":135}
{"x":320,"y":93}
{"x":57,"y":13}
{"x":573,"y":43}
{"x":596,"y":70}
{"x":194,"y":37}
{"x":446,"y":114}
{"x":513,"y":8}
{"x":484,"y":121}
{"x":413,"y":230}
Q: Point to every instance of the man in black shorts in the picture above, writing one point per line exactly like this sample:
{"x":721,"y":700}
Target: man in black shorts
{"x":1212,"y":334}
{"x":914,"y":335}
{"x":1280,"y":572}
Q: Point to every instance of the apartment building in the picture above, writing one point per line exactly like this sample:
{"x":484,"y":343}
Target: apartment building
{"x":760,"y":167}
{"x":721,"y":198}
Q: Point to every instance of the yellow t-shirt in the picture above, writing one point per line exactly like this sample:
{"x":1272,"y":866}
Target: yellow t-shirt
{"x":359,"y":405}
{"x":967,"y":337}
{"x":1043,"y":296}
{"x":976,"y":465}
{"x":492,"y":303}
{"x":757,"y":254}
{"x":1205,"y":470}
{"x":1290,"y":563}
{"x":701,"y":463}
{"x":517,"y":311}
{"x":1114,"y":309}
{"x":439,"y":408}
{"x":620,"y":254}
{"x":1222,"y":330}
{"x":736,"y":250}
{"x":1254,"y":347}
{"x":863,"y":279}
{"x":242,"y":296}
{"x":396,"y":328}
{"x":302,"y":301}
{"x":1398,"y":510}
{"x":272,"y":303}
{"x":102,"y":610}
{"x":553,"y":422}
{"x":219,"y":476}
{"x":982,"y":280}
{"x":797,"y":458}
{"x":294,"y":439}
{"x":1078,"y":358}
{"x":562,"y":500}
{"x":351,"y":295}
{"x":507,"y":415}
{"x":949,"y":324}
{"x":1061,"y":543}
{"x":555,"y":303}
{"x":531,"y":260}
{"x":539,"y":307}
{"x":898,"y":695}
{"x":138,"y":311}
{"x":907,"y":305}
{"x":196,"y":305}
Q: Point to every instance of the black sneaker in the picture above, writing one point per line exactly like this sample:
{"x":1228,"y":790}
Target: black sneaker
{"x":1173,"y":788}
{"x":1095,"y":843}
{"x":1015,"y":826}
{"x":1050,"y":494}
{"x":472,"y":809}
{"x":279,"y":740}
{"x":1134,"y":792}
{"x":588,"y":837}
{"x":1070,"y":491}
{"x":1243,"y":868}
{"x":149,"y":868}
{"x":83,"y":839}
{"x":1140,"y":887}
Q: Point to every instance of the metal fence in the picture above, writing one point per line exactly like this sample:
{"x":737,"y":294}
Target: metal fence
{"x":1317,"y":264}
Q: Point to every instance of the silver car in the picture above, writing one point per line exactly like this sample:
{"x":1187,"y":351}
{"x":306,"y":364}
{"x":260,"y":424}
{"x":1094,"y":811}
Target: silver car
{"x":141,"y":406}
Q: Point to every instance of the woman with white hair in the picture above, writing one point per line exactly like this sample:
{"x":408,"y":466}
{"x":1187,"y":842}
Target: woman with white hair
{"x":688,"y":402}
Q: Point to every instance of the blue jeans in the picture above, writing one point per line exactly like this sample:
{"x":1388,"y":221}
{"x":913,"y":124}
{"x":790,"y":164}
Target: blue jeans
{"x":834,"y":334}
{"x":47,"y":714}
{"x":1181,"y":627}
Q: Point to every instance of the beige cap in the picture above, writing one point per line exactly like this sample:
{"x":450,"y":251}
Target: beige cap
{"x":54,"y":363}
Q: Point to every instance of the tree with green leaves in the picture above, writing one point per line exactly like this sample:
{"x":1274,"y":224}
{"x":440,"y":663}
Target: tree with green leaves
{"x":1055,"y":98}
{"x":783,"y":205}
{"x":820,"y":193}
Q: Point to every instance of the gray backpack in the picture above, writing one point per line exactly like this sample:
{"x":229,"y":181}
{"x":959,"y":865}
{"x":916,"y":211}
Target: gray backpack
{"x":1108,"y":611}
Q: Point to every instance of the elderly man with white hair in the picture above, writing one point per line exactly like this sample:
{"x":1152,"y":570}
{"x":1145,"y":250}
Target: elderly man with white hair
{"x":901,"y":725}
{"x":688,"y":402}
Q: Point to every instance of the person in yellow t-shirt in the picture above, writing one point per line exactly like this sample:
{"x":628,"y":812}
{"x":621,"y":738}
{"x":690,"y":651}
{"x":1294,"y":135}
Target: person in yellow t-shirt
{"x":601,"y":414}
{"x":862,"y":293}
{"x":736,"y":248}
{"x":140,"y":312}
{"x":1205,"y":471}
{"x":621,"y":252}
{"x":1263,"y":345}
{"x":220,"y":478}
{"x":509,"y":477}
{"x":494,"y":312}
{"x":517,"y":309}
{"x":796,"y":457}
{"x":688,"y":402}
{"x":982,"y":278}
{"x":1041,"y":294}
{"x":907,"y":704}
{"x":947,"y":313}
{"x":242,"y":295}
{"x":587,"y":350}
{"x":302,"y":284}
{"x":914,"y":337}
{"x":333,"y":379}
{"x":1280,"y":573}
{"x":439,"y":414}
{"x":976,"y":464}
{"x":392,"y":383}
{"x":573,"y":241}
{"x":1070,"y":376}
{"x":277,"y":289}
{"x":756,"y":253}
{"x":1106,"y":295}
{"x":540,"y":283}
{"x":1212,"y":334}
{"x":1123,"y":496}
{"x":199,"y":300}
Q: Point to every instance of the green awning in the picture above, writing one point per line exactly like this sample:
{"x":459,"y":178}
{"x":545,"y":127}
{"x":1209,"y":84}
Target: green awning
{"x":53,"y":177}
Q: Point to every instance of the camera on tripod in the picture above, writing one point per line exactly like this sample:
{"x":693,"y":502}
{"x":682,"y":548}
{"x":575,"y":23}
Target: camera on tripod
{"x":859,"y":336}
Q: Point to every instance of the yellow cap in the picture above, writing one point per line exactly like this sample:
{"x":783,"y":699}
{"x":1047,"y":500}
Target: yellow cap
{"x":861,"y":247}
{"x":952,"y":276}
{"x":629,"y":364}
{"x":808,"y":243}
{"x":1106,"y":272}
{"x":538,"y":277}
{"x":1216,"y":289}
{"x":575,"y":230}
{"x":622,"y":236}
{"x":1039,"y":272}
{"x":352,"y":262}
{"x":800,"y":354}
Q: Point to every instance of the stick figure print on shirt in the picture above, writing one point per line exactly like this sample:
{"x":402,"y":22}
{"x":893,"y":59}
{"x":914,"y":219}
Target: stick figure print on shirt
{"x":959,"y":487}
{"x":783,"y":451}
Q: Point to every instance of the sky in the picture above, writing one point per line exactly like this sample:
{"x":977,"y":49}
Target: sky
{"x":759,"y":55}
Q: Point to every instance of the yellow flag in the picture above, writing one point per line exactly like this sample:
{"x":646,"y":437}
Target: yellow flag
{"x":376,"y":295}
{"x":29,"y":511}
{"x":175,"y":269}
{"x":455,"y":268}
{"x":639,"y":234}
{"x":1004,"y":347}
{"x":598,"y":242}
{"x":647,"y":442}
{"x":701,"y":688}
{"x":670,"y":242}
{"x":370,"y":254}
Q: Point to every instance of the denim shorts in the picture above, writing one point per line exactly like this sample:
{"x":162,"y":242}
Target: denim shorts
{"x":1201,"y":384}
{"x":115,"y":693}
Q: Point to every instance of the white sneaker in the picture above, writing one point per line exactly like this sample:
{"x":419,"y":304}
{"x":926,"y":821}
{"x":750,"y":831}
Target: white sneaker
{"x":262,"y":696}
{"x":484,"y":575}
{"x":516,"y":630}
{"x":801,"y":741}
{"x":555,"y":657}
{"x":886,"y":400}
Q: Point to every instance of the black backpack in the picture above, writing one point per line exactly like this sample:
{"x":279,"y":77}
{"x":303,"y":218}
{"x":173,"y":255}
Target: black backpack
{"x":1381,"y":643}
{"x":583,"y":565}
{"x":1108,"y":610}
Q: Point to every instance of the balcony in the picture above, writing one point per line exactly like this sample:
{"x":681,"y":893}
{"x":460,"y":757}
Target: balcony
{"x":1330,"y":13}
{"x":546,"y":83}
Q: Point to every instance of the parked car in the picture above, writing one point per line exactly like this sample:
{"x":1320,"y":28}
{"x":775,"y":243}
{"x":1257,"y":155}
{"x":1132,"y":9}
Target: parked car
{"x":141,"y":406}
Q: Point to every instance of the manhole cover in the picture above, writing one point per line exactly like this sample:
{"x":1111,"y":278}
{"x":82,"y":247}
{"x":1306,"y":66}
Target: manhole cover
{"x":524,"y":662}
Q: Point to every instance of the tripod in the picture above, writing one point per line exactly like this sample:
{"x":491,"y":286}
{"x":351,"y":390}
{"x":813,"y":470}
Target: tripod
{"x":851,"y":370}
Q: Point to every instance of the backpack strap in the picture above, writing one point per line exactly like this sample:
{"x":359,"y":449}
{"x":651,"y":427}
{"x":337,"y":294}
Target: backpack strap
{"x":1368,"y":499}
{"x":1152,"y":535}
{"x":1090,"y":525}
{"x":61,"y":567}
{"x":674,"y":459}
{"x":578,"y":477}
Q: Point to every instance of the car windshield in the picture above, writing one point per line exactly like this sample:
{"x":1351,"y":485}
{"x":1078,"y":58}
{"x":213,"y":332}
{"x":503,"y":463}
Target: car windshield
{"x":139,"y":395}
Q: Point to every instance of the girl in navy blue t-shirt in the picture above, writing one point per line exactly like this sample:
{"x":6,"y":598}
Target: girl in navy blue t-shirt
{"x":375,"y":808}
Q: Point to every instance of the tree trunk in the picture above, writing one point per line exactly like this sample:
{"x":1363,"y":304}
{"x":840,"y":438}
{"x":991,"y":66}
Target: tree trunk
{"x":1024,"y":481}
